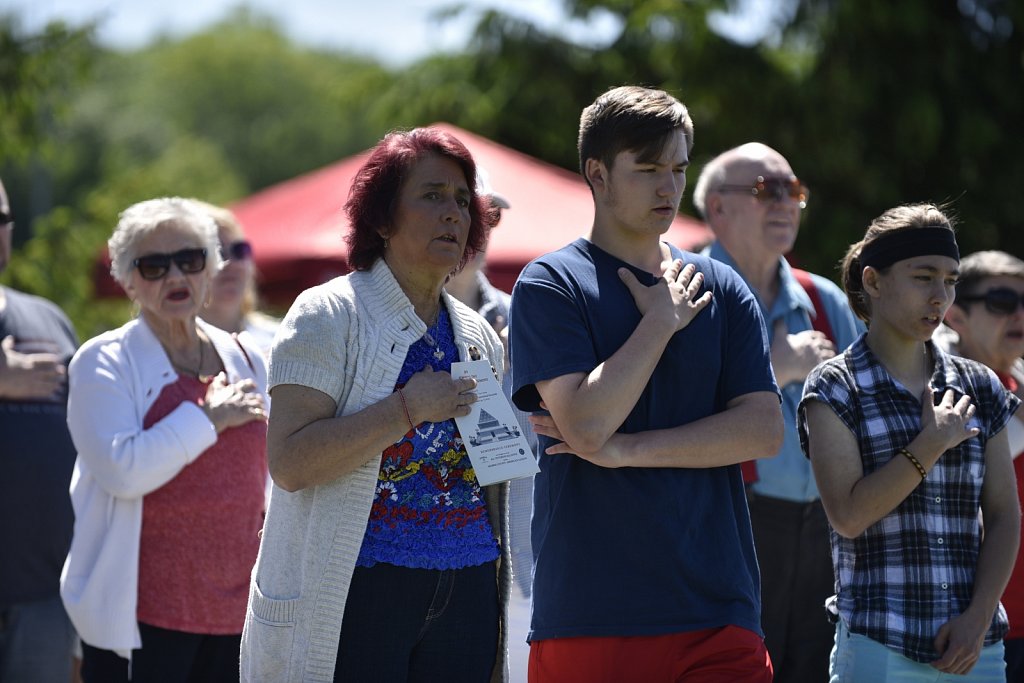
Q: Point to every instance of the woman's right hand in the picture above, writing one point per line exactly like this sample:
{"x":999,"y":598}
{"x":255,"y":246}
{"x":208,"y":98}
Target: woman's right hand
{"x":436,"y":396}
{"x":943,"y":426}
{"x":233,"y":405}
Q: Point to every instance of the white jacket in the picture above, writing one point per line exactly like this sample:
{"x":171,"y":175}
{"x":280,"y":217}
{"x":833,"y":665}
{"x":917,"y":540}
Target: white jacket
{"x":114,"y":379}
{"x":347,"y":338}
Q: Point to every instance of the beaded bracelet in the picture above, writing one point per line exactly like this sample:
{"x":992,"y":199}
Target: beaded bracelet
{"x":405,"y":408}
{"x":916,"y":463}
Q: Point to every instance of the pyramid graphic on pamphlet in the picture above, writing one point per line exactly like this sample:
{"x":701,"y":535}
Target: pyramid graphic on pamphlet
{"x":489,"y":429}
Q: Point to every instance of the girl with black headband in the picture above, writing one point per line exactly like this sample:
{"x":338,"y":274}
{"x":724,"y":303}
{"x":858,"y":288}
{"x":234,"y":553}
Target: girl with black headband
{"x":908,"y":446}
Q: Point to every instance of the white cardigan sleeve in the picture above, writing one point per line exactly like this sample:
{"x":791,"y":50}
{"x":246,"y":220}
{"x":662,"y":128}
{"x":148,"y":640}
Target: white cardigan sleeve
{"x":105,"y":418}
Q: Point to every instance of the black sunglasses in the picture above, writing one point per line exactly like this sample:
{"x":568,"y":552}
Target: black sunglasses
{"x":773,"y":189}
{"x":236,"y":251}
{"x":6,"y":219}
{"x":156,"y":266}
{"x":998,"y":301}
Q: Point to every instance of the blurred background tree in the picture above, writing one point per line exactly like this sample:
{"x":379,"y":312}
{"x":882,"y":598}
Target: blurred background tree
{"x":874,"y":103}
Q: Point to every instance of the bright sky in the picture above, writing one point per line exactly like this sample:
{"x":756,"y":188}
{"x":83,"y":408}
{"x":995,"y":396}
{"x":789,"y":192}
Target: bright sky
{"x":395,"y":31}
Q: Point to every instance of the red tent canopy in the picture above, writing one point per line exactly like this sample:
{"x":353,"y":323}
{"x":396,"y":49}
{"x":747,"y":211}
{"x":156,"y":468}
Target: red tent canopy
{"x":297,"y":227}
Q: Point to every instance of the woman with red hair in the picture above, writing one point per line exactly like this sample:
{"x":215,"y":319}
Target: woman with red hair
{"x":380,"y":553}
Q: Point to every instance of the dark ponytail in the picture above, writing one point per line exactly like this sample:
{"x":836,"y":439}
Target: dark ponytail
{"x":853,"y":283}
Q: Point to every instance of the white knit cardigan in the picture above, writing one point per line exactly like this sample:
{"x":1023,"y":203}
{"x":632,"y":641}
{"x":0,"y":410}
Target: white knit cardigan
{"x":347,"y":338}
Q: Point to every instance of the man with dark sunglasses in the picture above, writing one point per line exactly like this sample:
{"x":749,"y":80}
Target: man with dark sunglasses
{"x":36,"y":460}
{"x":753,"y":202}
{"x":986,"y":324}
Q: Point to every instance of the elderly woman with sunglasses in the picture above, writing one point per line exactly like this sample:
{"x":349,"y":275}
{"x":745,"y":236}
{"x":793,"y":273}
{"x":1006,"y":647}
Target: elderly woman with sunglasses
{"x":380,"y":554}
{"x":232,"y":305}
{"x":167,"y":416}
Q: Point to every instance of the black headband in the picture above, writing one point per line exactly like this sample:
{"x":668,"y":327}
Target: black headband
{"x":898,"y":245}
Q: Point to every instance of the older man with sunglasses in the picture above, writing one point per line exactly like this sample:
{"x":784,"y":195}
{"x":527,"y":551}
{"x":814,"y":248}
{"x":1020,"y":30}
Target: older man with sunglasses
{"x":986,"y":324}
{"x":36,"y":458}
{"x":753,"y":202}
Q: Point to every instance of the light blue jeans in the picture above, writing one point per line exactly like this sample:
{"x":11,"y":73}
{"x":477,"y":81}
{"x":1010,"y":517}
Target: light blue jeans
{"x":859,"y":659}
{"x":36,"y":641}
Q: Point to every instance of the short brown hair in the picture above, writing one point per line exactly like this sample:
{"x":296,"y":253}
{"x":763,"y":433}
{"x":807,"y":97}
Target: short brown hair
{"x":630,"y":118}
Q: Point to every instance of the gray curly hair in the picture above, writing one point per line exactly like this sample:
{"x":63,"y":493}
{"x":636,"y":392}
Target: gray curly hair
{"x":140,"y":219}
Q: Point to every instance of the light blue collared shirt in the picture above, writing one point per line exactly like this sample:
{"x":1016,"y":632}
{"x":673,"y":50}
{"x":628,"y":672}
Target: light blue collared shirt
{"x":788,"y":475}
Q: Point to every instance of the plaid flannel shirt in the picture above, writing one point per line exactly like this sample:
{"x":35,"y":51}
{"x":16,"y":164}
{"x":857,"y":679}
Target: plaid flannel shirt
{"x":913,"y":570}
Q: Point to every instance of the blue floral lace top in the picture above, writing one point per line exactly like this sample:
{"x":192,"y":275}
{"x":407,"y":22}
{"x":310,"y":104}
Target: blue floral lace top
{"x":429,"y":511}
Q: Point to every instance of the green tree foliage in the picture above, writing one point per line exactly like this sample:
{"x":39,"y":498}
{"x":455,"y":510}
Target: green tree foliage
{"x":216,"y":115}
{"x":274,"y":109}
{"x":875,"y":103}
{"x":526,"y":87}
{"x":62,"y":260}
{"x":36,"y":72}
{"x":517,"y":84}
{"x":914,"y":101}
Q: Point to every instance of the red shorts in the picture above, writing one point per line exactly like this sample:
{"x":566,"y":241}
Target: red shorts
{"x":716,"y":655}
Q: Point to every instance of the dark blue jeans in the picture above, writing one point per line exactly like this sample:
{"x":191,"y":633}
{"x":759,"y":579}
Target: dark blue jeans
{"x":406,"y":625}
{"x":1014,"y":660}
{"x":166,"y":657}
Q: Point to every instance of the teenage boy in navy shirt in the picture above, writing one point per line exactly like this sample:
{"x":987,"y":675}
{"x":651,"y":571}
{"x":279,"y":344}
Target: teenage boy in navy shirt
{"x":654,"y":366}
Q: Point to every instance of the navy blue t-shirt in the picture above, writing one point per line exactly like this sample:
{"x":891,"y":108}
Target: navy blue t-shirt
{"x":638,"y":551}
{"x":36,"y":460}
